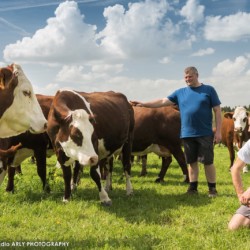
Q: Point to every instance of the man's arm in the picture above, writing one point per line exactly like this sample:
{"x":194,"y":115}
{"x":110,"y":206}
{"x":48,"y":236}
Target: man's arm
{"x":153,"y":104}
{"x":236,"y":170}
{"x":217,"y":115}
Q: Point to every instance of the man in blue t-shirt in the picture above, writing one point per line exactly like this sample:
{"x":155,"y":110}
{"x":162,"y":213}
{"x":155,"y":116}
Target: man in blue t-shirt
{"x":196,"y":103}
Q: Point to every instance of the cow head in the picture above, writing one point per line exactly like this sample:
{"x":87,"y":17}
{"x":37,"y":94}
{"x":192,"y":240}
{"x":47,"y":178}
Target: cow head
{"x":19,"y":108}
{"x":240,"y":118}
{"x":77,"y":138}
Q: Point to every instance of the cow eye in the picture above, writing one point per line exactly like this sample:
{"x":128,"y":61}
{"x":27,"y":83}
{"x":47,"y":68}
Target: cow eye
{"x":245,"y":119}
{"x":27,"y":93}
{"x":76,"y":136}
{"x":91,"y":119}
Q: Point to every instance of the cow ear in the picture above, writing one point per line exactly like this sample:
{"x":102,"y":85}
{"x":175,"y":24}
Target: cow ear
{"x":92,"y":118}
{"x":13,"y":81}
{"x":62,"y":116}
{"x":228,"y":115}
{"x":5,"y":76}
{"x":2,"y":84}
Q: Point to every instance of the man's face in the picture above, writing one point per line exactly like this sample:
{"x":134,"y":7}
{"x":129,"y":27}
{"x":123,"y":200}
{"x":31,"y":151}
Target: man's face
{"x":191,"y":79}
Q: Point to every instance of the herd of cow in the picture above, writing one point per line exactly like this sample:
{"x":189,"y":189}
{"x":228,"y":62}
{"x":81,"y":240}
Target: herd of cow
{"x":89,"y":129}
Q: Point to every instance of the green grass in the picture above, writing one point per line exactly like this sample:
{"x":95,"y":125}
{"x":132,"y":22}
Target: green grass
{"x":157,"y":216}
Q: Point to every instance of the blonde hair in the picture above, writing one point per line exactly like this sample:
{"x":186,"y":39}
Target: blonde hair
{"x":191,"y":69}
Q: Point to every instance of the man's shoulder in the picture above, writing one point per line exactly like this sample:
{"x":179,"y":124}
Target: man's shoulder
{"x":207,"y":86}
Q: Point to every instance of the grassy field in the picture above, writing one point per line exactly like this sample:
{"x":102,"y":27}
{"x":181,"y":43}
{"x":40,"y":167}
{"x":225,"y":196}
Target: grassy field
{"x":157,"y":216}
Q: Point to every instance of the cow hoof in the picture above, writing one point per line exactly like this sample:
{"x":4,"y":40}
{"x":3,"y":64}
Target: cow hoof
{"x":159,"y":180}
{"x":65,"y":200}
{"x":47,"y":189}
{"x":130,"y":193}
{"x":106,"y":203}
{"x":10,"y":191}
{"x":143,"y":174}
{"x":245,"y":169}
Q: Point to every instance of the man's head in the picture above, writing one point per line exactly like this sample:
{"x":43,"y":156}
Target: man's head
{"x":191,"y":76}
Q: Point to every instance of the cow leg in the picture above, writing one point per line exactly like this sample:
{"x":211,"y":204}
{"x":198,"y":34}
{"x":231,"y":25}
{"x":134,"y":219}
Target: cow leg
{"x":144,"y":165}
{"x":40,"y":157}
{"x":67,"y":174}
{"x":77,"y":171}
{"x":166,"y":161}
{"x":231,"y":154}
{"x":180,"y":158}
{"x":96,"y":176}
{"x":126,"y":162}
{"x":108,"y":173}
{"x":11,"y":176}
{"x":18,"y":170}
{"x":103,"y":168}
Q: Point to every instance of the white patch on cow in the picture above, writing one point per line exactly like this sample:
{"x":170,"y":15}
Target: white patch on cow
{"x":104,"y":198}
{"x":25,"y":112}
{"x":102,"y":152}
{"x":240,"y":119}
{"x":154,"y":148}
{"x":108,"y":185}
{"x":84,"y":153}
{"x":129,"y":188}
{"x":21,"y":155}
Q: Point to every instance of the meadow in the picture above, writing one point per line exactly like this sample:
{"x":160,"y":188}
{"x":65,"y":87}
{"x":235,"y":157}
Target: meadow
{"x":156,"y":216}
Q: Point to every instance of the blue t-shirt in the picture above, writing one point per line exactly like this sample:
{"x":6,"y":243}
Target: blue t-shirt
{"x":195,"y":104}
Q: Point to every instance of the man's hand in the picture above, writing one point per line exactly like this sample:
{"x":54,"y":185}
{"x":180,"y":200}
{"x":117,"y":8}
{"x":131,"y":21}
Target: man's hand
{"x":136,"y":103}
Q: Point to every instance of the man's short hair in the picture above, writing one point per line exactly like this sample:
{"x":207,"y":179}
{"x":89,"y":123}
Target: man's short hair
{"x":191,"y":69}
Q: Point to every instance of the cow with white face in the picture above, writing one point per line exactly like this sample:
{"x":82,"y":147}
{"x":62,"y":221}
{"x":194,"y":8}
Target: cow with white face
{"x":240,"y":118}
{"x":234,"y":131}
{"x":88,"y":127}
{"x":241,"y":133}
{"x":19,"y":108}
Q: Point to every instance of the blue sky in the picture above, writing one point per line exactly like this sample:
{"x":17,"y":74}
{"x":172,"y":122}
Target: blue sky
{"x":139,"y":48}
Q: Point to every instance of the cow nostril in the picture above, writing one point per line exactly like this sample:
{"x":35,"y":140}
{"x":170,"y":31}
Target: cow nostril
{"x":93,"y":160}
{"x":45,"y":125}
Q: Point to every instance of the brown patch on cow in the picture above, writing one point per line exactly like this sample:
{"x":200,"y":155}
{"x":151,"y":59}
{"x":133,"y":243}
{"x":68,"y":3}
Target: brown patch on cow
{"x":76,"y":135}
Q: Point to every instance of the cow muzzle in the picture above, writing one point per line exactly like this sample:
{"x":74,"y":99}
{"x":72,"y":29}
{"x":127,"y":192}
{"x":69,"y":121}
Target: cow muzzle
{"x":88,"y":161}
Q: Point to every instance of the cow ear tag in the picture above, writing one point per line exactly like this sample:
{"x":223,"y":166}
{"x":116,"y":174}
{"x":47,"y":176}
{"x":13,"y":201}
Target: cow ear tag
{"x":2,"y":83}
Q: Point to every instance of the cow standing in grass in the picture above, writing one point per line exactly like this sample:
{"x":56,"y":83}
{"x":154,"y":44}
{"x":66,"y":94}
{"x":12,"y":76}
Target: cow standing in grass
{"x":37,"y":145}
{"x":88,"y":127}
{"x":157,"y":130}
{"x":234,"y":131}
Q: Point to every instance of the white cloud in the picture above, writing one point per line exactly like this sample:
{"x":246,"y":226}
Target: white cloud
{"x":142,"y":31}
{"x":229,"y":68}
{"x":193,"y":12}
{"x":66,"y":37}
{"x":165,"y":60}
{"x":204,"y":52}
{"x":80,"y":74}
{"x":229,"y":28}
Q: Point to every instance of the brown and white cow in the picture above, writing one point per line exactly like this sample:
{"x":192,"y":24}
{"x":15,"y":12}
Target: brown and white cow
{"x":37,"y":145}
{"x":157,"y":130}
{"x":234,"y":131}
{"x":88,"y":127}
{"x":19,"y":108}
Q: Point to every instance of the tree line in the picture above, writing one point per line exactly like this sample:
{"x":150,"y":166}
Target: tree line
{"x":229,"y":109}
